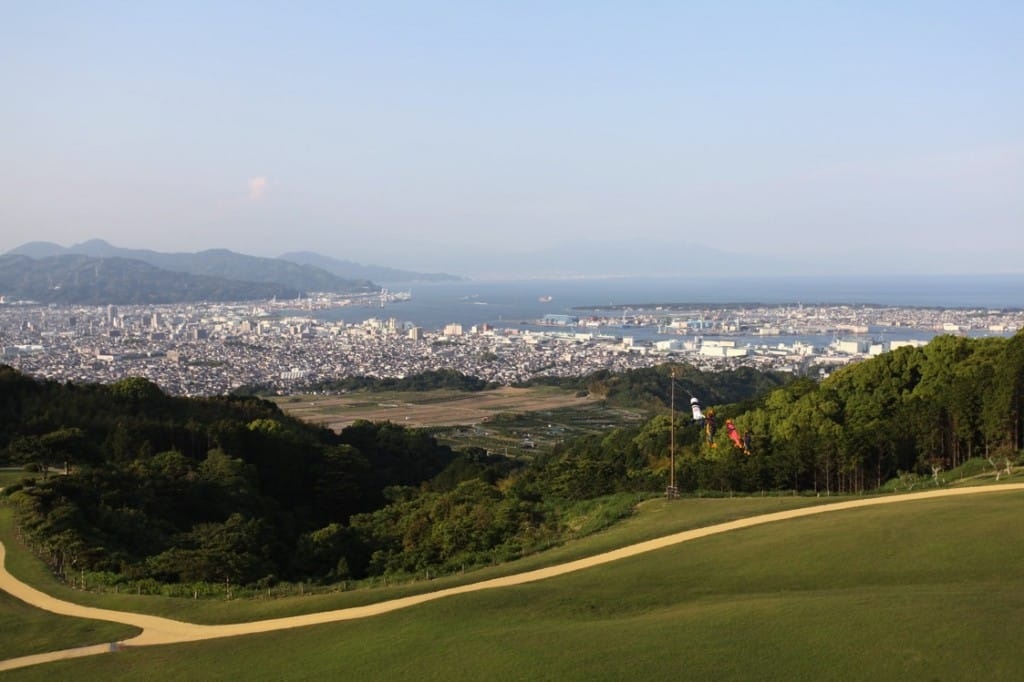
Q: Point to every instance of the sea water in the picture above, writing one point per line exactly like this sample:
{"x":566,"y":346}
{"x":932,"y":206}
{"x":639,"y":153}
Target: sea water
{"x":511,"y":302}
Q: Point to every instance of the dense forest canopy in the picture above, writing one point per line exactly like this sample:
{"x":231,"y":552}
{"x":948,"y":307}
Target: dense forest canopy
{"x":187,"y":488}
{"x":192,"y":490}
{"x":911,"y":409}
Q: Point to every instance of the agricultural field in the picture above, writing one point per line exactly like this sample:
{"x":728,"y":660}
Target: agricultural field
{"x":426,"y":408}
{"x":918,"y":589}
{"x":504,"y":420}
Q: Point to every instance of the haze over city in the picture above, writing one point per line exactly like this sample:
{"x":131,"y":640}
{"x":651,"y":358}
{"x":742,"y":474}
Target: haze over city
{"x":484,"y":139}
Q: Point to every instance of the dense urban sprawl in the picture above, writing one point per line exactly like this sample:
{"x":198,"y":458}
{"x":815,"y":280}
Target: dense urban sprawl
{"x":209,"y":349}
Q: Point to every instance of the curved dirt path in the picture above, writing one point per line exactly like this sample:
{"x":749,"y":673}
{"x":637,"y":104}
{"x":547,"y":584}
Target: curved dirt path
{"x":158,"y":630}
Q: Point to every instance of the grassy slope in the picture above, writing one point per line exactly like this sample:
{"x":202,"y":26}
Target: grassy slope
{"x":28,"y":630}
{"x":657,"y":519}
{"x":922,"y":590}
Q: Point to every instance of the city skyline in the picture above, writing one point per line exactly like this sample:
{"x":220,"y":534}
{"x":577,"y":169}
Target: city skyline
{"x":431,"y":137}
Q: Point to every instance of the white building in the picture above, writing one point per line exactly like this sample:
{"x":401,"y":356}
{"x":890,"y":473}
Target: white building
{"x":722,"y":349}
{"x":851,"y":347}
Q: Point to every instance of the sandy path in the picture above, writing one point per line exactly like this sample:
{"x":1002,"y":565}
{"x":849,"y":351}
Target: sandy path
{"x":157,"y":630}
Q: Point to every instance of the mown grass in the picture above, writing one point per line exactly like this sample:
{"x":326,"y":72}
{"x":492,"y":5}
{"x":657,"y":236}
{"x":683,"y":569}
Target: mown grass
{"x":27,"y":630}
{"x":658,"y":517}
{"x":923,"y":590}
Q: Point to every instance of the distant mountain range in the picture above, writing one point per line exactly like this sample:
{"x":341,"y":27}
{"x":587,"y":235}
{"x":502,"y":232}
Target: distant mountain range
{"x":211,"y":263}
{"x":78,"y":279}
{"x":96,"y":272}
{"x":346,"y":268}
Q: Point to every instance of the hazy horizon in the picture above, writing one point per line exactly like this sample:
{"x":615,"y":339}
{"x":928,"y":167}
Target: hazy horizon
{"x":797,"y":137}
{"x":638,"y":258}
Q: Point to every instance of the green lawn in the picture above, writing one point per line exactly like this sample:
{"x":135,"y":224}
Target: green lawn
{"x":923,"y":590}
{"x":657,"y":518}
{"x":28,"y":630}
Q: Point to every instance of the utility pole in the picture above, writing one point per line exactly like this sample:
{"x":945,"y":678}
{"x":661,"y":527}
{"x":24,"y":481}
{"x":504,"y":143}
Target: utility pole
{"x":672,"y":492}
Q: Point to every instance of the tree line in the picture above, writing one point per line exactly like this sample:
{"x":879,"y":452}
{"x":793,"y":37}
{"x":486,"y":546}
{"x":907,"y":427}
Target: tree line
{"x":230,"y":489}
{"x":913,"y":411}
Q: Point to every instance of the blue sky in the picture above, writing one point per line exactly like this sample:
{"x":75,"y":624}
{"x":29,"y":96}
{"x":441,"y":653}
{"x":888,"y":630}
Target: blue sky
{"x":407,"y":133}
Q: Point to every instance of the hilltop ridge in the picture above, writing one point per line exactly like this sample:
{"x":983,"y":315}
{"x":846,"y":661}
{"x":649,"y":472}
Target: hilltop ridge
{"x":210,"y":263}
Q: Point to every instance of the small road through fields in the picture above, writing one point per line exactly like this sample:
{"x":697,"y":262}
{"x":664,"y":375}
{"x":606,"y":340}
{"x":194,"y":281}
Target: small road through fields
{"x":157,"y":630}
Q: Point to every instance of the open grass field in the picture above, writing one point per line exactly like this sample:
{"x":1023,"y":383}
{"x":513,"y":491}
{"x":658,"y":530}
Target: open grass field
{"x":28,"y":630}
{"x":927,"y":589}
{"x":656,"y":518}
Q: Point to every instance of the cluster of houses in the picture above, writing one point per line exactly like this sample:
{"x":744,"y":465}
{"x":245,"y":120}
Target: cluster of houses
{"x":209,"y":349}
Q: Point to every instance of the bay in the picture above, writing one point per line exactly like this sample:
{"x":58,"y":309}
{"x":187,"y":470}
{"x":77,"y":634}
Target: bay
{"x":511,"y":302}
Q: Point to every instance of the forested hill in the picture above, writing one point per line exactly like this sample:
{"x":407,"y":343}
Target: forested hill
{"x":192,"y":489}
{"x":904,"y":415}
{"x":182,"y":490}
{"x":910,"y":410}
{"x":77,"y":279}
{"x":226,"y":265}
{"x":653,"y":386}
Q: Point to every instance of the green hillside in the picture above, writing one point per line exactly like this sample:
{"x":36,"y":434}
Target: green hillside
{"x":921,"y":590}
{"x":180,"y":496}
{"x":38,"y":631}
